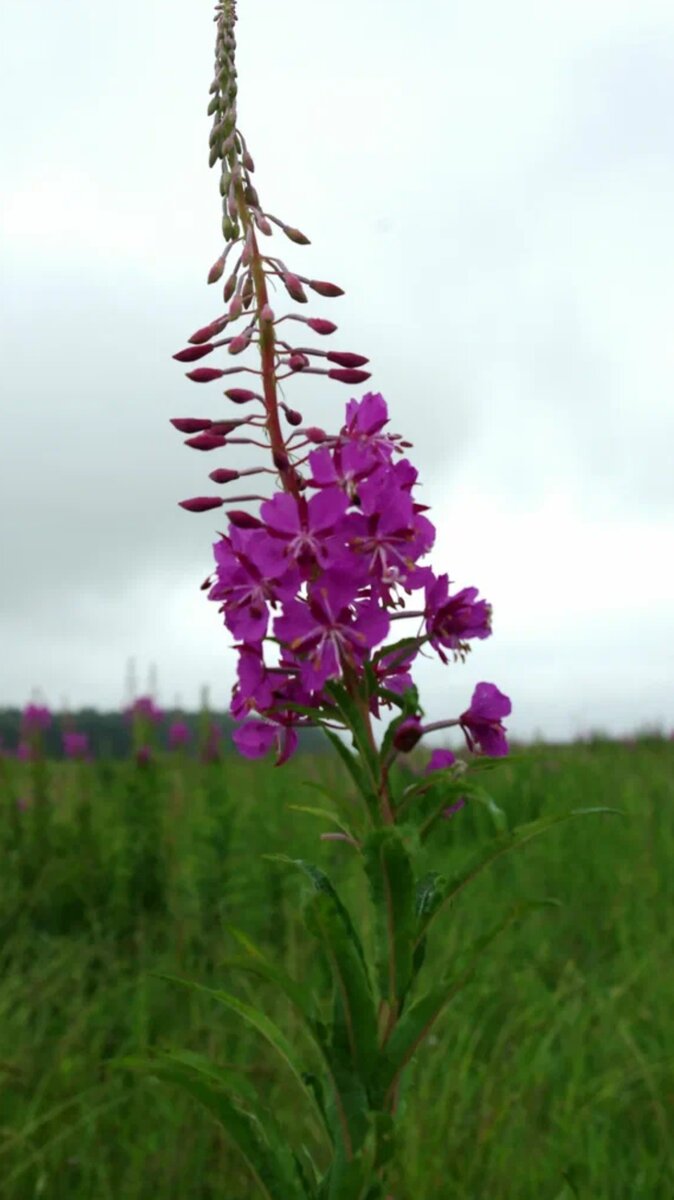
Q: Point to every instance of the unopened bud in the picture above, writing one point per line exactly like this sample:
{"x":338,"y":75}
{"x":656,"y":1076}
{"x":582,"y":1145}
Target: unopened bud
{"x":201,"y":503}
{"x":235,"y":307}
{"x":266,"y":313}
{"x":190,"y":424}
{"x":239,"y":343}
{"x":317,"y":435}
{"x":325,"y":289}
{"x":294,"y":288}
{"x":248,"y":161}
{"x":408,"y":733}
{"x":229,"y":288}
{"x":208,"y":331}
{"x":216,"y":270}
{"x":320,"y":326}
{"x":192,"y":353}
{"x":297,"y":362}
{"x":206,"y":441}
{"x":296,"y":235}
{"x":344,"y":359}
{"x":250,"y":195}
{"x":263,"y":224}
{"x":225,"y":427}
{"x":213,"y":106}
{"x":204,"y":374}
{"x":292,"y":416}
{"x":347,"y":375}
{"x":223,"y":475}
{"x":241,"y":395}
{"x":243,"y":520}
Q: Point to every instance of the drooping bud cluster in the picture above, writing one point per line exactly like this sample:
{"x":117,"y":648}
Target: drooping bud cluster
{"x":311,"y":578}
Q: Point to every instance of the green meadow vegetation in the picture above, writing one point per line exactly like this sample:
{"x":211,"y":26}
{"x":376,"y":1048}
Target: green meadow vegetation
{"x":551,"y":1076}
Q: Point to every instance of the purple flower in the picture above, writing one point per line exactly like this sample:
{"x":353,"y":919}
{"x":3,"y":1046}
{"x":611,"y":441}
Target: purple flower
{"x":346,"y":467}
{"x":35,"y":719}
{"x":452,"y":620}
{"x":254,"y":739}
{"x":439,"y":761}
{"x":178,"y":735}
{"x":75,"y":745}
{"x":144,"y":756}
{"x":329,"y":628}
{"x":25,"y":752}
{"x":252,"y":573}
{"x":144,"y":708}
{"x":482,"y":722}
{"x":305,"y":527}
{"x":454,"y":808}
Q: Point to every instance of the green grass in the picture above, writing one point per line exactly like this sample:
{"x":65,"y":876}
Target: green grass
{"x":551,"y":1076}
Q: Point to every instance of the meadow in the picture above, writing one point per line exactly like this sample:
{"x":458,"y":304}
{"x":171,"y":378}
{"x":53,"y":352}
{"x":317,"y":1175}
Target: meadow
{"x":550,"y":1077}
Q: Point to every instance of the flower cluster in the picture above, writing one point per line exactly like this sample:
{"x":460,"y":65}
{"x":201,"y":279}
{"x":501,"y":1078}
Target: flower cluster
{"x":309,"y":590}
{"x":311,"y":580}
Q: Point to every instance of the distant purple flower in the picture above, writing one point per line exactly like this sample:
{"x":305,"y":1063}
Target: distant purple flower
{"x":178,"y":735}
{"x":75,"y":745}
{"x":144,"y":708}
{"x":211,"y":749}
{"x":25,"y":752}
{"x":482,"y":721}
{"x":35,"y":718}
{"x":439,"y":761}
{"x":144,"y":756}
{"x":254,"y":739}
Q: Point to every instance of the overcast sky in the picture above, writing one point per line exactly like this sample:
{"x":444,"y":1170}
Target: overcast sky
{"x":492,"y":183}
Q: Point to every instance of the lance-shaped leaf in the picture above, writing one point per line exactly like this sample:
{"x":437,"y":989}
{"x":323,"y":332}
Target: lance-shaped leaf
{"x":389,"y":873}
{"x":254,"y":1133}
{"x":416,"y":1023}
{"x":257,"y":1020}
{"x":499,"y":846}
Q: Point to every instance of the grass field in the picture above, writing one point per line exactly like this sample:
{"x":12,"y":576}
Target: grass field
{"x":551,"y":1076}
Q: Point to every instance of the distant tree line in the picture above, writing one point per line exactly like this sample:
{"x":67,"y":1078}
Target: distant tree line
{"x":110,"y":734}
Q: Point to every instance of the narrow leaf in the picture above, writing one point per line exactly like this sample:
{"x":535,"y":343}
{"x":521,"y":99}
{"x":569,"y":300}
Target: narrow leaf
{"x":389,"y":873}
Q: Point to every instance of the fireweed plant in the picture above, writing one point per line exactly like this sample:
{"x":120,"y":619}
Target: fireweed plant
{"x":324,"y":585}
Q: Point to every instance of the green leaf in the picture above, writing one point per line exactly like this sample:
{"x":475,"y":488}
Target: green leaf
{"x":389,"y":872}
{"x":480,"y":796}
{"x":350,"y":762}
{"x":325,"y":815}
{"x":416,"y":1023}
{"x":499,"y":846}
{"x":254,"y":1133}
{"x":256,"y":1019}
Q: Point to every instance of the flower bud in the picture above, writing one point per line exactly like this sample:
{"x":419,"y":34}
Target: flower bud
{"x":314,"y":434}
{"x":206,"y":441}
{"x":294,"y":288}
{"x":235,"y":307}
{"x":243,"y":520}
{"x":325,"y":289}
{"x":266,"y":313}
{"x":204,"y":374}
{"x":292,"y":416}
{"x":248,"y":161}
{"x":250,"y":195}
{"x":344,"y":359}
{"x":320,"y":326}
{"x":296,"y":236}
{"x":223,"y":475}
{"x":297,"y":362}
{"x":347,"y":375}
{"x":239,"y":343}
{"x":208,"y":331}
{"x":216,"y":270}
{"x":408,"y":733}
{"x":190,"y":424}
{"x":201,"y":503}
{"x":263,"y":224}
{"x":229,"y":288}
{"x":224,"y":428}
{"x":241,"y":395}
{"x":192,"y":353}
